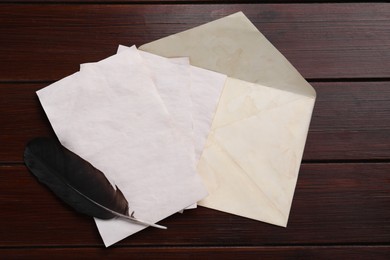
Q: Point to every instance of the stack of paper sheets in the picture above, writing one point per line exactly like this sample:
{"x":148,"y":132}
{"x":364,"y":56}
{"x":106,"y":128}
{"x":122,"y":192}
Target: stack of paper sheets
{"x":137,"y":117}
{"x":228,"y":134}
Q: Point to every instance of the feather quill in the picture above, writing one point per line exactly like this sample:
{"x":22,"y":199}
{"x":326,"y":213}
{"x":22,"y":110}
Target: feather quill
{"x":76,"y":181}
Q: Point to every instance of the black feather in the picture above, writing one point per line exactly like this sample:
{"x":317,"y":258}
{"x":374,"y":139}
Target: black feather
{"x":75,"y":180}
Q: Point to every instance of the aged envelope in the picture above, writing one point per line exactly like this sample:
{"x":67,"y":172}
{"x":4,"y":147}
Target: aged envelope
{"x":252,"y":156}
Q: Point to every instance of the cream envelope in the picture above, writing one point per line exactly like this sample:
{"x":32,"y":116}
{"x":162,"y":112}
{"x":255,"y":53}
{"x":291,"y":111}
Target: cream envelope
{"x":252,"y":156}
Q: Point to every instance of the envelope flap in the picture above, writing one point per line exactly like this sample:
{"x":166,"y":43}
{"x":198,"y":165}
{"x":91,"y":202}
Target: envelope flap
{"x":232,"y":45}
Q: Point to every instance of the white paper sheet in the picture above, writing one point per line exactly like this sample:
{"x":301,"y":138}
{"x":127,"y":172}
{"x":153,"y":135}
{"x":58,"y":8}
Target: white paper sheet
{"x":190,"y":94}
{"x":191,"y":99}
{"x":173,"y":83}
{"x":114,"y":117}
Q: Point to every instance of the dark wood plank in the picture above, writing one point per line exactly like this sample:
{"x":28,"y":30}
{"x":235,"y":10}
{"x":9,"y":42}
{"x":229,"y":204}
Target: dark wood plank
{"x":47,"y":42}
{"x":333,"y":204}
{"x":310,"y":252}
{"x":22,"y":118}
{"x":350,"y":121}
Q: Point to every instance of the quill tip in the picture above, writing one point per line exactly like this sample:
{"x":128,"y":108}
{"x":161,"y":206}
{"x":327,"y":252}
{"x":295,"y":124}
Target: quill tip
{"x":158,"y":226}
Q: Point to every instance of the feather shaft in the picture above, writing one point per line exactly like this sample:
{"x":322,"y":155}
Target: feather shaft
{"x":131,"y":218}
{"x":76,"y":181}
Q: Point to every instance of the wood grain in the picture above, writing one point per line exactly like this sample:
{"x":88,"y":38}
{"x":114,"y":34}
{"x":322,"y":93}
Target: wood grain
{"x":47,"y":42}
{"x":350,"y":121}
{"x":333,"y":203}
{"x":263,"y":252}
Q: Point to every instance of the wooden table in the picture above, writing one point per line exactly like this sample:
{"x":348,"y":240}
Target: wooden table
{"x":341,"y":207}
